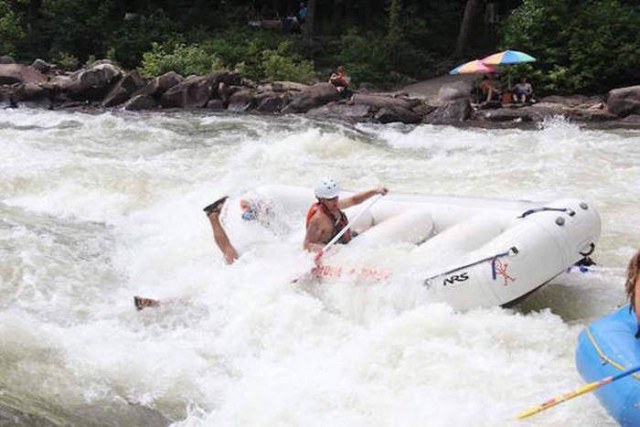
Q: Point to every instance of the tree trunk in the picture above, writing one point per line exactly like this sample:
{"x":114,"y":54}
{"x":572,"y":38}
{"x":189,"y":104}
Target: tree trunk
{"x":394,"y":32}
{"x":337,"y":16}
{"x":310,"y":22}
{"x":470,"y":13}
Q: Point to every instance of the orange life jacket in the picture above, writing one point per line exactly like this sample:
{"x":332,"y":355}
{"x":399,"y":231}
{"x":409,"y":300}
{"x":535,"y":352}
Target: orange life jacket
{"x":338,"y":223}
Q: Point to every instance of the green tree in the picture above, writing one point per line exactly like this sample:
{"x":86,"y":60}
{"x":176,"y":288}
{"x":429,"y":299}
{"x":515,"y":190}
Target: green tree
{"x":589,"y":46}
{"x":10,"y":29}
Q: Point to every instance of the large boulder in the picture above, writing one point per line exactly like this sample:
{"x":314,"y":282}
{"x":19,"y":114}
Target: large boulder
{"x":42,"y":66}
{"x":18,"y":73}
{"x":159,"y":85}
{"x":94,"y":82}
{"x":397,"y":114}
{"x":59,"y":84}
{"x":378,"y":102}
{"x":270,"y":102}
{"x":453,"y":112}
{"x":284,"y":86}
{"x":192,"y":92}
{"x":342,"y":111}
{"x":624,"y":101}
{"x":313,"y":96}
{"x":195,"y":91}
{"x":454,"y":91}
{"x":242,"y":100}
{"x":141,"y":102}
{"x":123,"y":90}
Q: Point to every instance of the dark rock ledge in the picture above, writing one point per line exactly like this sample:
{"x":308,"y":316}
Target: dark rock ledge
{"x":103,"y":85}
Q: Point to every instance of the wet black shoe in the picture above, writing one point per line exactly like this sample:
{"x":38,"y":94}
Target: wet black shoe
{"x":215,"y":206}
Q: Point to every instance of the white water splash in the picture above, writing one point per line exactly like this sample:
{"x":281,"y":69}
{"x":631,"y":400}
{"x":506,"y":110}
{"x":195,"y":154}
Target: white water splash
{"x":97,"y":208}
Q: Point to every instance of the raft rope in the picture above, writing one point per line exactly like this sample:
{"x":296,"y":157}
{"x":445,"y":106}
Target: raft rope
{"x":571,"y":212}
{"x":512,"y":251}
{"x":605,"y":358}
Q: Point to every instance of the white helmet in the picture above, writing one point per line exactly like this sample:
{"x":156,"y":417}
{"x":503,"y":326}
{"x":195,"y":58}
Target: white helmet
{"x":327,"y":188}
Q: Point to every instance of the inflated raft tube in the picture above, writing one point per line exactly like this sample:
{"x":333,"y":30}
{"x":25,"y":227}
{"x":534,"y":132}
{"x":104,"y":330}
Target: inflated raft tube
{"x":606,"y":348}
{"x":471,"y":252}
{"x":518,"y":258}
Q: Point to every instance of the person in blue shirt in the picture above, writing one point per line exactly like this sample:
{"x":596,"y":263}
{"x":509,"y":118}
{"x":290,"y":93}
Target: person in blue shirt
{"x":302,"y":13}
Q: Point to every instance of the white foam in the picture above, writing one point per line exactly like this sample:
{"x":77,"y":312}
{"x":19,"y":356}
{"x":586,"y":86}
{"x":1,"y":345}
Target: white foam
{"x":97,"y":208}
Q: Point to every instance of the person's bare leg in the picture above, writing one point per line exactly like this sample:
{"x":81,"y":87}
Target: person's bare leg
{"x":219,"y":234}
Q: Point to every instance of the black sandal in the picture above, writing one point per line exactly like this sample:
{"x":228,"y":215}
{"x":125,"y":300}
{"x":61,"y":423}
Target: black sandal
{"x":141,"y":302}
{"x":215,"y":206}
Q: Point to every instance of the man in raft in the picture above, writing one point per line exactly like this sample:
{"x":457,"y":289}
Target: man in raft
{"x":325,"y":218}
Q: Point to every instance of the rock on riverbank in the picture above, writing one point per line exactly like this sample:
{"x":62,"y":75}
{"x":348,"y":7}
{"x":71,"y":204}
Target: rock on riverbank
{"x":444,"y":100}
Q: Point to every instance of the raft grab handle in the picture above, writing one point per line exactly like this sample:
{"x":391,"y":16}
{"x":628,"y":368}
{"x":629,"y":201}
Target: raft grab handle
{"x":570,"y":212}
{"x":592,"y":247}
{"x":511,"y":252}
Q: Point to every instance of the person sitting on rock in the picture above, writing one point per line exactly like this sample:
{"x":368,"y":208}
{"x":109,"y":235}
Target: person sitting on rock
{"x":490,"y":89}
{"x":523,"y":91}
{"x":341,"y":81}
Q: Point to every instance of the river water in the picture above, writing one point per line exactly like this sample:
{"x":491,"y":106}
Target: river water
{"x":96,"y":208}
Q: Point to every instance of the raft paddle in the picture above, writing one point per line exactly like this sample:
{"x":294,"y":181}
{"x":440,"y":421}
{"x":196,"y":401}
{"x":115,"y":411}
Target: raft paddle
{"x":582,"y":390}
{"x":347,"y":227}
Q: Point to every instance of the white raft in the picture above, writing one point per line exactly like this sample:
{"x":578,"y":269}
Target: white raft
{"x":472,"y":252}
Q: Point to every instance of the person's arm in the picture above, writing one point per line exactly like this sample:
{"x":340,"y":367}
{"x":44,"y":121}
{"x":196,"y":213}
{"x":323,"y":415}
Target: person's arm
{"x":356,"y":199}
{"x":313,"y":236}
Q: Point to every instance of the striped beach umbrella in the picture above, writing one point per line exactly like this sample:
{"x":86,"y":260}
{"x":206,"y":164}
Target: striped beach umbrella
{"x":508,"y":57}
{"x":471,"y":67}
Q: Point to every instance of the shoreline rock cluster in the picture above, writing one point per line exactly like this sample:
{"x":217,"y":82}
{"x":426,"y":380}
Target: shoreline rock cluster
{"x":104,"y":85}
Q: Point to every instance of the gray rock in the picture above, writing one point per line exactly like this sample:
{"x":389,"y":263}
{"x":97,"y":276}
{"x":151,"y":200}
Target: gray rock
{"x":453,"y":91}
{"x":123,"y":89}
{"x":397,"y":114}
{"x":342,"y":111}
{"x":311,"y":97}
{"x":42,"y":66}
{"x":624,"y":101}
{"x":453,"y":112}
{"x":141,"y":102}
{"x":242,"y":100}
{"x":18,"y":73}
{"x":192,"y":92}
{"x":270,"y":102}
{"x":159,"y":85}
{"x":93,"y":82}
{"x":215,"y":104}
{"x":378,"y":101}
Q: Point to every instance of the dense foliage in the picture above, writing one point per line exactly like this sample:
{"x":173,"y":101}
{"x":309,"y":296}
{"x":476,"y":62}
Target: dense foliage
{"x":584,"y":46}
{"x":10,"y":29}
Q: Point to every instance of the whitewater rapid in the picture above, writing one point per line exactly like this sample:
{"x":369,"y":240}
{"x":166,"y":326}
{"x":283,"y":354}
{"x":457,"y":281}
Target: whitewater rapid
{"x":96,"y":208}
